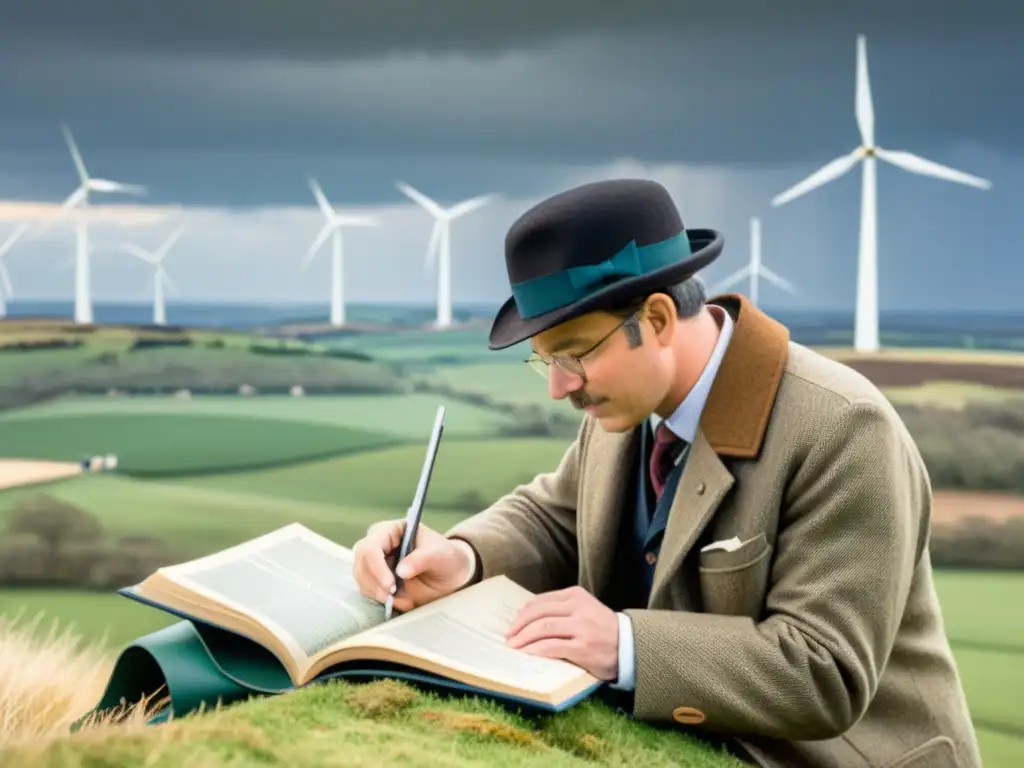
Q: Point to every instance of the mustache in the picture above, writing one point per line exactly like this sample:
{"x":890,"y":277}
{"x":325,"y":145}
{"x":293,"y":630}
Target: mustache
{"x":581,"y":400}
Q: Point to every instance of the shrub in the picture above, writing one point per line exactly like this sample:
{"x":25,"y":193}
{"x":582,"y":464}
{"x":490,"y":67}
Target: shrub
{"x":980,"y":447}
{"x":51,"y":542}
{"x":979,"y":543}
{"x":149,"y":342}
{"x":54,"y":522}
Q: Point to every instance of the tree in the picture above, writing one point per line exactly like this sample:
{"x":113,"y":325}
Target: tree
{"x":55,"y":522}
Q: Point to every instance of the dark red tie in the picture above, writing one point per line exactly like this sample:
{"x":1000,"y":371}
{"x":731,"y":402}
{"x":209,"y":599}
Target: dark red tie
{"x":661,"y":457}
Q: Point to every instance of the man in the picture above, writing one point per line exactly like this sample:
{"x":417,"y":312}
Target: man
{"x":737,"y":538}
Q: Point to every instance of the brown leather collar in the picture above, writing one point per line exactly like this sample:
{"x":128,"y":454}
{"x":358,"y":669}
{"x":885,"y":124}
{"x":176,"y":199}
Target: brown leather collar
{"x":735,"y":417}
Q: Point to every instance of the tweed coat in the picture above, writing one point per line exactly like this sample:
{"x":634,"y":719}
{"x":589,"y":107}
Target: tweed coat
{"x":820,"y":640}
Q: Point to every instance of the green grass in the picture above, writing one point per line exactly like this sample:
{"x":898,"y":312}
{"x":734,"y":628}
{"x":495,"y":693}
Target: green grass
{"x":167,"y":435}
{"x":166,"y":444}
{"x":196,"y":520}
{"x":399,"y":415}
{"x":387,"y":477}
{"x":336,"y":724}
{"x":981,"y":608}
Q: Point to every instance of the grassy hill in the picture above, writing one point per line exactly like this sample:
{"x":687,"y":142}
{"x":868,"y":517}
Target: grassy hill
{"x":314,"y":725}
{"x":48,"y":683}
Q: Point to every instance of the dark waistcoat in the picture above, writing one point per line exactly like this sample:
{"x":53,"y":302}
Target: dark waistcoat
{"x":641,"y":530}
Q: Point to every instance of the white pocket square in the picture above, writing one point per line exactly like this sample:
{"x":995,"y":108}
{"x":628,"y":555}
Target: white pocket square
{"x":725,"y":545}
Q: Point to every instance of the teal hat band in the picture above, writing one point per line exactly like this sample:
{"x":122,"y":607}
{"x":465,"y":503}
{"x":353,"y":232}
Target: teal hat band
{"x":559,"y":289}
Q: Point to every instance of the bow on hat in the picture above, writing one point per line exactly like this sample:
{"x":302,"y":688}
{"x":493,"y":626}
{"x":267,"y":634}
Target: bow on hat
{"x":548,"y":292}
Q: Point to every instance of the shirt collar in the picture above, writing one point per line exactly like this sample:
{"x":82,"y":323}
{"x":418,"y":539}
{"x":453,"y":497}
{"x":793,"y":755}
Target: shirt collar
{"x":685,"y":419}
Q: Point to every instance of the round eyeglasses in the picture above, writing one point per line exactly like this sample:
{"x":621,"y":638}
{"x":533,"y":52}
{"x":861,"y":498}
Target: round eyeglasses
{"x":574,"y":363}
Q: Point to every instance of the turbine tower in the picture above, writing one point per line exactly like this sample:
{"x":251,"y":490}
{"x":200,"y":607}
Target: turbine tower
{"x":755,"y":269}
{"x":440,"y":242}
{"x":333,"y":225}
{"x":160,"y":276}
{"x":80,"y":199}
{"x":865,"y":337}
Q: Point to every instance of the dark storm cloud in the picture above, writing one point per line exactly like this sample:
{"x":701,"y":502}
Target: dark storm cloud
{"x":566,"y":81}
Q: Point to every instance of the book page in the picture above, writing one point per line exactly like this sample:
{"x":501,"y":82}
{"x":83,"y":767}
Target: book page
{"x":466,"y":632}
{"x":295,"y":582}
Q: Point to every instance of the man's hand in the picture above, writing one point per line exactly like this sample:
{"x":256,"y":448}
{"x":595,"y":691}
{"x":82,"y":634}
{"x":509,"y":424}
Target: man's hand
{"x":569,"y":624}
{"x":437,"y":565}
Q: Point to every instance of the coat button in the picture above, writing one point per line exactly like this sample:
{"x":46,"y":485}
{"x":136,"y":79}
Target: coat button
{"x":700,"y":488}
{"x":651,"y":558}
{"x":688,"y":715}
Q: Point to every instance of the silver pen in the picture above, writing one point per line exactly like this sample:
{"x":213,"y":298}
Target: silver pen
{"x":415,"y":510}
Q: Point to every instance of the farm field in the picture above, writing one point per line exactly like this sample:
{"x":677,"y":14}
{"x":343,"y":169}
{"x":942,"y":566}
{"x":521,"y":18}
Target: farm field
{"x":387,"y":477}
{"x":991,"y":678}
{"x":167,"y":435}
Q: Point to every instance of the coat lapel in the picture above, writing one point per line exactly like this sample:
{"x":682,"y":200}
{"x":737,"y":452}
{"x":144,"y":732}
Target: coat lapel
{"x":609,"y":466}
{"x":733,"y":424}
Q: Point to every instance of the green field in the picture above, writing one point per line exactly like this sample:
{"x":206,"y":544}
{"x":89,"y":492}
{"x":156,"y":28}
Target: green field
{"x":167,"y":435}
{"x":387,"y":477}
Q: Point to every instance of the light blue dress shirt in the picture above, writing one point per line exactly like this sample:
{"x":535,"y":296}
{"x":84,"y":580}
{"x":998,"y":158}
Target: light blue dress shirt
{"x":683,"y":421}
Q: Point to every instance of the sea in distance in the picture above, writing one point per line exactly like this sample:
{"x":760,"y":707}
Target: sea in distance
{"x":970,"y":330}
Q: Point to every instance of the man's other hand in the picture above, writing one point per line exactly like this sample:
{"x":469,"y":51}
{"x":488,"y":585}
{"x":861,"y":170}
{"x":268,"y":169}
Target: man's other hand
{"x":569,"y":624}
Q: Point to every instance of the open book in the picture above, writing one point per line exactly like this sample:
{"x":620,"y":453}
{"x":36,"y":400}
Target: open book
{"x":282,"y":610}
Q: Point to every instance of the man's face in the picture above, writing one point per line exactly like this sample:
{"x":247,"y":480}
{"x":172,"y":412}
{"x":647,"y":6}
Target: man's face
{"x":592,"y":360}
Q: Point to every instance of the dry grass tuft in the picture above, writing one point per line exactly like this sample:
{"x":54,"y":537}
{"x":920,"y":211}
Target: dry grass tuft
{"x":482,"y":725}
{"x":381,"y":698}
{"x":49,"y":679}
{"x":590,"y":746}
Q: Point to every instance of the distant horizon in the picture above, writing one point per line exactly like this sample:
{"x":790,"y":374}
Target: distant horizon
{"x":490,"y":307}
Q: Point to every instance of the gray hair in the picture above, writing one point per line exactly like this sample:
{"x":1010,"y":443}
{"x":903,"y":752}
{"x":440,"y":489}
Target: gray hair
{"x":688,"y":297}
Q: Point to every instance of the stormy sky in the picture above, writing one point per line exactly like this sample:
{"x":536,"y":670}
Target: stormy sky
{"x":223,"y":110}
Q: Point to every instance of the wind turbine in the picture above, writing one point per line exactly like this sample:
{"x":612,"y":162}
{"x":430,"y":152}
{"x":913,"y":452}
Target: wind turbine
{"x":865,"y":337}
{"x":755,"y":269}
{"x":333,"y":225}
{"x":440,"y":241}
{"x":80,"y":199}
{"x":160,"y":276}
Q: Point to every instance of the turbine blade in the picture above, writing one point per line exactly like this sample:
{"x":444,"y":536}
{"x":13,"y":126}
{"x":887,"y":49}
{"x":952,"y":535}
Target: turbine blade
{"x":106,"y":185}
{"x":76,"y":156}
{"x":5,"y":281}
{"x":864,"y":106}
{"x":356,"y":220}
{"x":828,"y":172}
{"x":12,"y":239}
{"x":167,"y":280}
{"x":321,"y":238}
{"x":321,"y":200}
{"x":432,"y":208}
{"x":736,"y":276}
{"x":461,"y":209}
{"x":75,"y":198}
{"x":435,"y":243}
{"x":771,"y":277}
{"x":138,"y":253}
{"x":916,"y":164}
{"x":161,"y":252}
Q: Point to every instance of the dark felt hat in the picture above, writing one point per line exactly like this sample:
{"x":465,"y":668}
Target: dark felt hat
{"x":593,"y":247}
